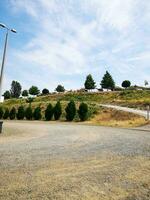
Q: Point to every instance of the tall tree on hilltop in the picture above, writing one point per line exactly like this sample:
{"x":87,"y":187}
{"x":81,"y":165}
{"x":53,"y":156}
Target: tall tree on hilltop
{"x":89,"y":83}
{"x":107,"y":81}
{"x":15,"y":89}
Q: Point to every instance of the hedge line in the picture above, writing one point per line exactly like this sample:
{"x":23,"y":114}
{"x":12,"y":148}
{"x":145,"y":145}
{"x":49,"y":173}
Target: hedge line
{"x":50,"y":112}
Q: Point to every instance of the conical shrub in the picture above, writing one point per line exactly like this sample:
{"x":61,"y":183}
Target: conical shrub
{"x":1,"y":112}
{"x":70,"y":111}
{"x":37,"y":113}
{"x":49,"y":112}
{"x":57,"y":111}
{"x":20,"y":113}
{"x":28,"y":113}
{"x":6,"y":114}
{"x":83,"y":111}
{"x":12,"y":114}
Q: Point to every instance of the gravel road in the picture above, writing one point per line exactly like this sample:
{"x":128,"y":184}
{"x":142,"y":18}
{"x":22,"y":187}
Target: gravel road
{"x":40,"y":160}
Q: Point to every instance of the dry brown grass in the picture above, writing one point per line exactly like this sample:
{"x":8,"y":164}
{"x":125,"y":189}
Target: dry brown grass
{"x":95,"y":178}
{"x":115,"y":118}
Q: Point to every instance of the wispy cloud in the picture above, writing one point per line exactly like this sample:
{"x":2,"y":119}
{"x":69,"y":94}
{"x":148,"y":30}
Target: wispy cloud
{"x":72,"y":38}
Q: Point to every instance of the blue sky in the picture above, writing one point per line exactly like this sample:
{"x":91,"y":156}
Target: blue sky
{"x":61,"y":41}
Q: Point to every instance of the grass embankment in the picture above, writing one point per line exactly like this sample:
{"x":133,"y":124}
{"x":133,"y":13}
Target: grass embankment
{"x":97,"y":115}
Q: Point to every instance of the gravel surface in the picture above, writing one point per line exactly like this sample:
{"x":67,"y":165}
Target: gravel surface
{"x":40,"y":160}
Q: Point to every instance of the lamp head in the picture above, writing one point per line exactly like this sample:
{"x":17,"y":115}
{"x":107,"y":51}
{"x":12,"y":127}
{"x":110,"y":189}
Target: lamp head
{"x":13,"y":30}
{"x":2,"y":25}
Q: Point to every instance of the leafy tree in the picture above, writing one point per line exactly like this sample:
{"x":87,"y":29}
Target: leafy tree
{"x":20,"y":113}
{"x":60,"y":88}
{"x":107,"y":81}
{"x":12,"y":114}
{"x":83,"y":111}
{"x":28,"y":113}
{"x":7,"y":95}
{"x":126,"y":84}
{"x":89,"y":82}
{"x":57,"y":110}
{"x":37,"y":113}
{"x":6,"y":114}
{"x":146,"y":83}
{"x":70,"y":111}
{"x":25,"y":93}
{"x":45,"y":91}
{"x":49,"y":112}
{"x":34,"y":90}
{"x":1,"y":112}
{"x":15,"y":89}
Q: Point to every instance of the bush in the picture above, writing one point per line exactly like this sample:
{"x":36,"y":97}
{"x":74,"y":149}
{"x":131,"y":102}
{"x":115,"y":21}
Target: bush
{"x":60,"y":88}
{"x":57,"y":110}
{"x":6,"y":114}
{"x":1,"y":112}
{"x":12,"y":114}
{"x":34,"y":90}
{"x":45,"y":91}
{"x":28,"y":113}
{"x":83,"y":111}
{"x":49,"y":112}
{"x":37,"y":113}
{"x":7,"y":95}
{"x":20,"y":113}
{"x":70,"y":111}
{"x":25,"y":93}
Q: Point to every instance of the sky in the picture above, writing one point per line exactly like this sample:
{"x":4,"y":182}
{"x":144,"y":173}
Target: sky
{"x":62,"y":41}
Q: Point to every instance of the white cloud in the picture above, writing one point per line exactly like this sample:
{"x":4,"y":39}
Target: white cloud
{"x":73,"y":37}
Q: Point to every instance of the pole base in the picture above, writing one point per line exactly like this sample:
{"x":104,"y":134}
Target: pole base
{"x":1,"y":126}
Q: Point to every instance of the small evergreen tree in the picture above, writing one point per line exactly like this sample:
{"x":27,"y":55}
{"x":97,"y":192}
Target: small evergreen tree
{"x":57,"y":110}
{"x":34,"y":90}
{"x":7,"y":95}
{"x":20,"y":113}
{"x":60,"y":88}
{"x":83,"y":111}
{"x":70,"y":111}
{"x":45,"y":91}
{"x":6,"y":114}
{"x":12,"y":114}
{"x":107,"y":81}
{"x":37,"y":113}
{"x":49,"y":112}
{"x":25,"y":93}
{"x":126,"y":84}
{"x":28,"y":113}
{"x":1,"y":112}
{"x":89,"y":83}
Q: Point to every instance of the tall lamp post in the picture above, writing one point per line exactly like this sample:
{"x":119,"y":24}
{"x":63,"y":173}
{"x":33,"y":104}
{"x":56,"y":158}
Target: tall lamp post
{"x":3,"y":61}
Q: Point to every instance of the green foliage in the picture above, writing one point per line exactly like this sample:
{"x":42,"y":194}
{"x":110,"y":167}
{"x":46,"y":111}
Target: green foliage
{"x":45,"y":91}
{"x":107,"y":81}
{"x":60,"y":88}
{"x":34,"y":90}
{"x":70,"y":111}
{"x":29,"y":100}
{"x":1,"y":112}
{"x":126,"y":84}
{"x":57,"y":110}
{"x":37,"y":113}
{"x":21,"y":113}
{"x":83,"y":111}
{"x":12,"y":114}
{"x":28,"y":113}
{"x":89,"y":83}
{"x":25,"y":93}
{"x":49,"y":112}
{"x":7,"y":95}
{"x":6,"y":114}
{"x":15,"y":89}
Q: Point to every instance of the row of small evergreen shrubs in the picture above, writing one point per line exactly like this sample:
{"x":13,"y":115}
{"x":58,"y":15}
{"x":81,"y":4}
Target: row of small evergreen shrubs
{"x":50,"y":112}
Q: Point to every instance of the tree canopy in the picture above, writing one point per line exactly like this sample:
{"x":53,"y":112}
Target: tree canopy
{"x":89,"y":82}
{"x":107,"y":81}
{"x":15,"y":89}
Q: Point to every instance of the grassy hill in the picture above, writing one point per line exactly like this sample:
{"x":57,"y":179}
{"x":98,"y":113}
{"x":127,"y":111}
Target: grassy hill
{"x":131,"y":98}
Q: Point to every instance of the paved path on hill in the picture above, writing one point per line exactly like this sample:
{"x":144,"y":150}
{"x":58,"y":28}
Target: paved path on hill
{"x":126,"y":109}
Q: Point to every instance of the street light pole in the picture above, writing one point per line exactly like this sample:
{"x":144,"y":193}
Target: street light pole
{"x":4,"y":55}
{"x":3,"y":63}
